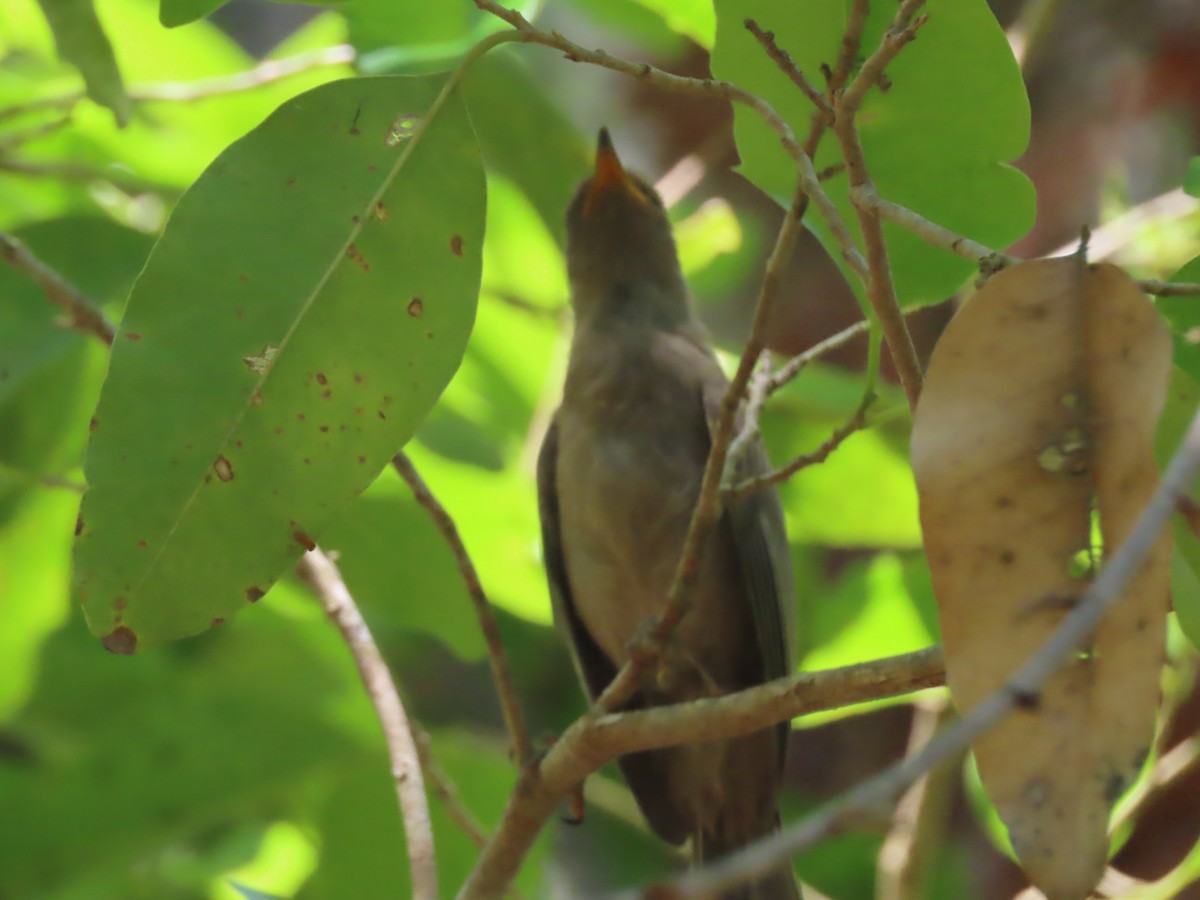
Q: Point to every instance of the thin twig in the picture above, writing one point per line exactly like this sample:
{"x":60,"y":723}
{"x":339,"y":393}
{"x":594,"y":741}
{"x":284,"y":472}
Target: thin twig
{"x":788,"y":66}
{"x":82,"y":173}
{"x":843,"y":431}
{"x":909,"y":851}
{"x":592,"y":741}
{"x":184,"y":91}
{"x":990,"y":261}
{"x":15,"y":139}
{"x":1169,"y":288}
{"x":866,"y":197}
{"x":1023,"y":687}
{"x":794,"y":366}
{"x":881,"y":290}
{"x":264,"y":73}
{"x":516,"y":301}
{"x":80,"y":312}
{"x":510,"y":706}
{"x":756,"y":396}
{"x":445,"y":789}
{"x":1118,"y":233}
{"x":1182,"y":760}
{"x":320,"y":572}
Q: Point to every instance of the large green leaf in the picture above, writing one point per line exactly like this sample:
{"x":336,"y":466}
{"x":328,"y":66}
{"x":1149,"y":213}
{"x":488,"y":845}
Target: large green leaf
{"x":935,"y":141}
{"x":82,"y":42}
{"x":309,"y":300}
{"x":524,"y":135}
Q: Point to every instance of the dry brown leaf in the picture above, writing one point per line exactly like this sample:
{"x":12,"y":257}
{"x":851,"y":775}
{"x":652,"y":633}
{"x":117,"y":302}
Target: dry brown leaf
{"x":1037,"y":414}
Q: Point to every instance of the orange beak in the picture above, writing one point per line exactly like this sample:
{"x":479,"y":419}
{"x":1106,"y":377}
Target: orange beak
{"x":610,"y":175}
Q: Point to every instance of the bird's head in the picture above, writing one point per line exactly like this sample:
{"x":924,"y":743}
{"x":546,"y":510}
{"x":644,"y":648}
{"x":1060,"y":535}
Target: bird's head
{"x":618,"y":235}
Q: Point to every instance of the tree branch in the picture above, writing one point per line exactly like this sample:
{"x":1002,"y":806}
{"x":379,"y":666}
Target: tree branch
{"x":595,"y":739}
{"x":320,"y":572}
{"x":80,"y":312}
{"x":510,"y":706}
{"x":1021,"y":689}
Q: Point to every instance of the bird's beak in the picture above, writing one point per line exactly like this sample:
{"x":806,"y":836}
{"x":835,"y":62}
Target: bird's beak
{"x":610,"y":175}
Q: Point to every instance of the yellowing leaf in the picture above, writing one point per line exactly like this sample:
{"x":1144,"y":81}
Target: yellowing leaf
{"x":1032,"y":449}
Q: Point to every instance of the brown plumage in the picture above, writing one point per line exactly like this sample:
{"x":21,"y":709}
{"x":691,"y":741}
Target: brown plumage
{"x":618,"y":477}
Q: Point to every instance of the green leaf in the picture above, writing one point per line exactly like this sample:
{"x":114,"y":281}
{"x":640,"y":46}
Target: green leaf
{"x":82,"y":42}
{"x":1183,"y":399}
{"x":1191,"y":177}
{"x":936,"y":141}
{"x":524,"y":135}
{"x":1183,"y":317}
{"x":307,"y":303}
{"x":173,"y":13}
{"x":694,"y":18}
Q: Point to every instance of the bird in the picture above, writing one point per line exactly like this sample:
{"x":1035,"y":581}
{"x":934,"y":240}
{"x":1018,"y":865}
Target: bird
{"x":618,"y":475}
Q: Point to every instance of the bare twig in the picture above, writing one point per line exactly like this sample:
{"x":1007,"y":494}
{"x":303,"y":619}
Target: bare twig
{"x":1169,"y":288}
{"x":1109,"y":238}
{"x":264,"y":73}
{"x":880,"y":289}
{"x":593,"y":740}
{"x":990,"y":261}
{"x":1022,"y":687}
{"x":788,"y":66}
{"x":81,"y":173}
{"x":843,"y":431}
{"x":445,"y":789}
{"x":919,"y":825}
{"x":866,"y":197}
{"x":516,"y":301}
{"x":185,"y":91}
{"x":510,"y":706}
{"x":1181,"y":761}
{"x":794,"y":366}
{"x":322,"y":574}
{"x":756,"y":396}
{"x":15,"y":139}
{"x":80,"y":312}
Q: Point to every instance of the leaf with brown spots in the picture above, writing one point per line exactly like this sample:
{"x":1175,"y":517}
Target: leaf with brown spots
{"x":1032,"y":448}
{"x":274,"y":304}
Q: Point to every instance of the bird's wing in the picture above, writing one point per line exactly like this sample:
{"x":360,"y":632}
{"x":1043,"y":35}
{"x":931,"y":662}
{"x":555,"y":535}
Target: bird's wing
{"x":760,"y":540}
{"x":593,"y":667}
{"x":645,"y":772}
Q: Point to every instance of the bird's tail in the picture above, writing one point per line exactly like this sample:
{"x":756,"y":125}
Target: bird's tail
{"x":779,"y":884}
